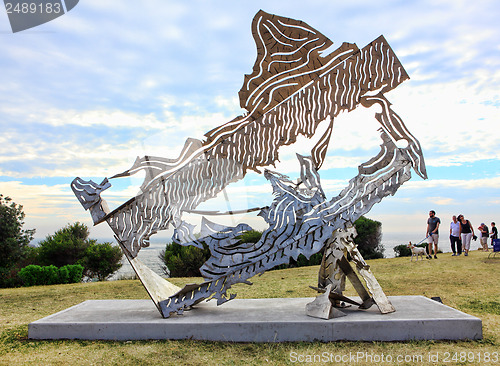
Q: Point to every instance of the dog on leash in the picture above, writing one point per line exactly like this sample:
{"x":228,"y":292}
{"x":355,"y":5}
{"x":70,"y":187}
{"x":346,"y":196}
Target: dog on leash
{"x":416,"y":251}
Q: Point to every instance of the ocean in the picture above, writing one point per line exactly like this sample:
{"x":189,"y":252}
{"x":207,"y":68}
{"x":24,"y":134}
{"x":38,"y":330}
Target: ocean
{"x":149,"y":255}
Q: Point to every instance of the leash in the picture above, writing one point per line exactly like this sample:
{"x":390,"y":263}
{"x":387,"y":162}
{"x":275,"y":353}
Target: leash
{"x":422,"y":240}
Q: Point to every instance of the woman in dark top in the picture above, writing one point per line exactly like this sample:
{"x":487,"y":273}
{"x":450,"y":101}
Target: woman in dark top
{"x":466,"y":233}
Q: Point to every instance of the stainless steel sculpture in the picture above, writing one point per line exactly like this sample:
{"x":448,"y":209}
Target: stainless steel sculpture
{"x":294,"y":86}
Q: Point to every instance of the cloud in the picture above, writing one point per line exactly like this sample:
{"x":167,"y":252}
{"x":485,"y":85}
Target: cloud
{"x":112,"y":119}
{"x":87,"y":93}
{"x":452,"y":122}
{"x":468,"y":184}
{"x":441,"y":201}
{"x":61,"y":142}
{"x":48,"y":207}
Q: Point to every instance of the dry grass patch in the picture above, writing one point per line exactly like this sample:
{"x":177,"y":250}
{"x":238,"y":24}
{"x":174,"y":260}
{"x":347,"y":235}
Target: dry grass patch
{"x":469,"y":284}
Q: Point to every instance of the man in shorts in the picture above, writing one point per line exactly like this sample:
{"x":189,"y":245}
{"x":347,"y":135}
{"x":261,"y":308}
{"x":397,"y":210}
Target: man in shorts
{"x":432,"y":233}
{"x":485,"y":233}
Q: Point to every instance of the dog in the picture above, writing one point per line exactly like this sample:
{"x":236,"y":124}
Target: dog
{"x":416,"y":251}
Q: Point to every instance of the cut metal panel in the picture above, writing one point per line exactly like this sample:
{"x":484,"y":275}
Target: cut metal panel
{"x":292,"y":89}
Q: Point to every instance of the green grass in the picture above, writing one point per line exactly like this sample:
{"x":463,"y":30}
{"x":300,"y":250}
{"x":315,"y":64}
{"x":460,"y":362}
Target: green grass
{"x":470,"y":284}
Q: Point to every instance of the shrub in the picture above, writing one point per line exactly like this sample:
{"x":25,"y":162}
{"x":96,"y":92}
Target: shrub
{"x":183,"y":261}
{"x":63,"y":275}
{"x":314,"y":260}
{"x":34,"y":275}
{"x":66,"y":246}
{"x":369,"y":237}
{"x":402,"y":250}
{"x":30,"y":274}
{"x":71,"y":245}
{"x":101,"y":260}
{"x":49,"y":275}
{"x":75,"y":272}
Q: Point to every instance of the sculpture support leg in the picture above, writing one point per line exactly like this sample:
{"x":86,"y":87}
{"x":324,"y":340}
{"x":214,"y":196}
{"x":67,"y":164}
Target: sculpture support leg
{"x":330,"y":272}
{"x":157,"y":287}
{"x":372,"y":284}
{"x":335,"y":267}
{"x":356,"y":283}
{"x":378,"y":294}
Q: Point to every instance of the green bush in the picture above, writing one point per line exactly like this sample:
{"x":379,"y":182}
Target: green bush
{"x":66,"y":246}
{"x":402,"y":250}
{"x":369,"y":237}
{"x":34,"y":275}
{"x":49,"y":275}
{"x":183,"y":261}
{"x":29,"y":275}
{"x":101,"y":260}
{"x":71,"y":245}
{"x":75,"y":273}
{"x":63,"y":275}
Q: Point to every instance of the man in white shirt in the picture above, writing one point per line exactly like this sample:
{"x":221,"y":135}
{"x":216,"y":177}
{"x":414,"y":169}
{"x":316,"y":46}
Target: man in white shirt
{"x":455,"y":237}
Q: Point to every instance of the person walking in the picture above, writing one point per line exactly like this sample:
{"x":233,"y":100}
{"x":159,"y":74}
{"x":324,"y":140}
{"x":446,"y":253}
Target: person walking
{"x":432,"y":233}
{"x":455,"y":237}
{"x":466,"y":233}
{"x":485,"y":233}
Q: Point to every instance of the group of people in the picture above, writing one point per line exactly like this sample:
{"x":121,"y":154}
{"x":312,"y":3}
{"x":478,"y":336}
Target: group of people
{"x":461,"y":233}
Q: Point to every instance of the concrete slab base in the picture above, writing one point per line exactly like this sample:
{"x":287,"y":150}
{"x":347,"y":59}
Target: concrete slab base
{"x":257,"y":320}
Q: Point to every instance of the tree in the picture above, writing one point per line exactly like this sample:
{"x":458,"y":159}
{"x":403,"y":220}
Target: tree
{"x":66,"y":246}
{"x":101,"y":260}
{"x":14,"y":240}
{"x":368,"y":238}
{"x":183,"y":261}
{"x":71,"y":245}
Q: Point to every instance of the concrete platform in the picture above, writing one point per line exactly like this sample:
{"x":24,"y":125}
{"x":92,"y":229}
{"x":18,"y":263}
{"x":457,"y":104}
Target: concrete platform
{"x":257,"y":320}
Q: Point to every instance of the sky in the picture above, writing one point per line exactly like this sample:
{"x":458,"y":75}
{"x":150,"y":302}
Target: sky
{"x":85,"y":94}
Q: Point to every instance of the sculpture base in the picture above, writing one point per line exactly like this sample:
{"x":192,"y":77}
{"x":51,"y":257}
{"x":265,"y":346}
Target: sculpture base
{"x":257,"y":320}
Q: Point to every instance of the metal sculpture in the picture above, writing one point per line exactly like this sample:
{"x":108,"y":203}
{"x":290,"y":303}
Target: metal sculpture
{"x":294,"y":86}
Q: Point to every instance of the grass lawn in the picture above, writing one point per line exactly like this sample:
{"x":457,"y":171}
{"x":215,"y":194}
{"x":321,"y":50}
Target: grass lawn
{"x":470,"y":284}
